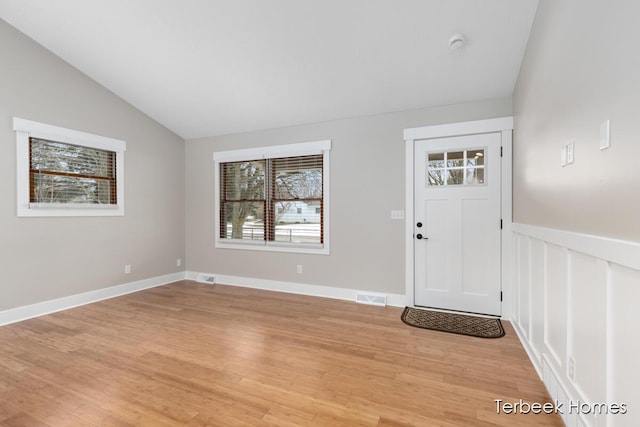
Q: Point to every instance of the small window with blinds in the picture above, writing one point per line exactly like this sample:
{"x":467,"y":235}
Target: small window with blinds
{"x":274,"y":201}
{"x":68,"y":174}
{"x":63,"y":172}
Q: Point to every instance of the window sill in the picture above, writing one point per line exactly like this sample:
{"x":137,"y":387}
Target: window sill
{"x":71,"y":210}
{"x":318,"y":249}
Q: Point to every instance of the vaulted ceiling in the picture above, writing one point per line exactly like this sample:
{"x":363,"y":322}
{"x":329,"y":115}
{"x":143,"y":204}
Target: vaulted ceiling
{"x":212,"y":67}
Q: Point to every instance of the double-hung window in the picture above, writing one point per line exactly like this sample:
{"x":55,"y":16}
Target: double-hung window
{"x":273,"y":198}
{"x":63,"y":172}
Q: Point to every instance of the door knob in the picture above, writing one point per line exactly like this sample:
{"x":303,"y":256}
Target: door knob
{"x":419,"y":237}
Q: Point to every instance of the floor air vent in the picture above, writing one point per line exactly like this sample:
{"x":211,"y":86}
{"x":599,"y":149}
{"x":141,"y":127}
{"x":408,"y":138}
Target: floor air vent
{"x":206,"y":278}
{"x":371,"y":299}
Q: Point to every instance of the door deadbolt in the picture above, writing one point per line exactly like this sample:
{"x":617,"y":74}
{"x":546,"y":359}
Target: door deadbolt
{"x":419,"y":225}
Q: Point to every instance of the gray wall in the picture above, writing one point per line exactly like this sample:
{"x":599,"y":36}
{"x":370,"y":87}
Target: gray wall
{"x":576,"y":297}
{"x":367,"y":182}
{"x":581,"y":67}
{"x":47,"y":258}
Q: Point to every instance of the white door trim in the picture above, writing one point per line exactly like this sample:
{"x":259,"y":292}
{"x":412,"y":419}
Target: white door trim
{"x":503,"y":125}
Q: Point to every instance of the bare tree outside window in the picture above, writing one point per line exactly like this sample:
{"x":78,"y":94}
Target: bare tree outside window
{"x":456,"y":168}
{"x":275,"y":199}
{"x":65,"y":173}
{"x":243,"y":194}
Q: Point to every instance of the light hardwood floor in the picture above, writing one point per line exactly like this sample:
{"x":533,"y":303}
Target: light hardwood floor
{"x":196,"y":355}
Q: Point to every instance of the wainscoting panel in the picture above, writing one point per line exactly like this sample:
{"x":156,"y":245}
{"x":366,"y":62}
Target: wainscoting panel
{"x":555,"y":319}
{"x":537,"y":295}
{"x":623,"y":375}
{"x":587,"y":330}
{"x":524,"y":288}
{"x":577,"y":313}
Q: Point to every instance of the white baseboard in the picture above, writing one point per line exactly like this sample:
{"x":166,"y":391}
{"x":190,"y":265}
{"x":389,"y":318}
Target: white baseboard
{"x":395,"y":300}
{"x":46,"y":307}
{"x":19,"y":314}
{"x":528,"y":348}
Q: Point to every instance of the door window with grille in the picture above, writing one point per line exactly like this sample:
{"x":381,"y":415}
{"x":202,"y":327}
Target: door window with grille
{"x":464,"y":167}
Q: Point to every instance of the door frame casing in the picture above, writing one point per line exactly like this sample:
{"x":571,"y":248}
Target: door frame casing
{"x":504,"y":125}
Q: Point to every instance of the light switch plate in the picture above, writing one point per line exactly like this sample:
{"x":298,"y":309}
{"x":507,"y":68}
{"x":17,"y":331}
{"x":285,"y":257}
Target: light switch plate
{"x":605,"y":135}
{"x":563,"y":156}
{"x":397,"y":215}
{"x":570,"y":152}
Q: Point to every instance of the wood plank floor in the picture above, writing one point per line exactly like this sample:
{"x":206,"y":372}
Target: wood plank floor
{"x":199,"y":355}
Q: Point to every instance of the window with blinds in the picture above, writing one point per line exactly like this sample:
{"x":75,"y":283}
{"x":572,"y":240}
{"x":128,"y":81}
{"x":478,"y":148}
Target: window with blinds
{"x":67,"y":173}
{"x":274,"y":201}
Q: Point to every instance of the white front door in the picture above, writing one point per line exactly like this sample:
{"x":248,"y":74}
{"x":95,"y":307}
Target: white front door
{"x":457,"y":230}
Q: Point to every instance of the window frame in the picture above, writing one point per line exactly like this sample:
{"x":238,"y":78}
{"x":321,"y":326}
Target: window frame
{"x":26,"y":129}
{"x":272,"y":152}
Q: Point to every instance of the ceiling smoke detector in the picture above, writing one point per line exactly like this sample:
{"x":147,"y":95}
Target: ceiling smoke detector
{"x":456,"y":42}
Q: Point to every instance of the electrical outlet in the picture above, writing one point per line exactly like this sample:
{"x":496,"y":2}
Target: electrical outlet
{"x":299,"y":269}
{"x":127,"y":269}
{"x":179,"y":262}
{"x":572,"y":369}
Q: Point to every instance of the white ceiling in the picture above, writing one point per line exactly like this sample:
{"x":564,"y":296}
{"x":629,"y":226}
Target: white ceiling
{"x":212,"y":67}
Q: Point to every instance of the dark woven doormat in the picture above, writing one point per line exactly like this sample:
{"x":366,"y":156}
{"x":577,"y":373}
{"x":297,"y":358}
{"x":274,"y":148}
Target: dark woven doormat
{"x":463,"y":324}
